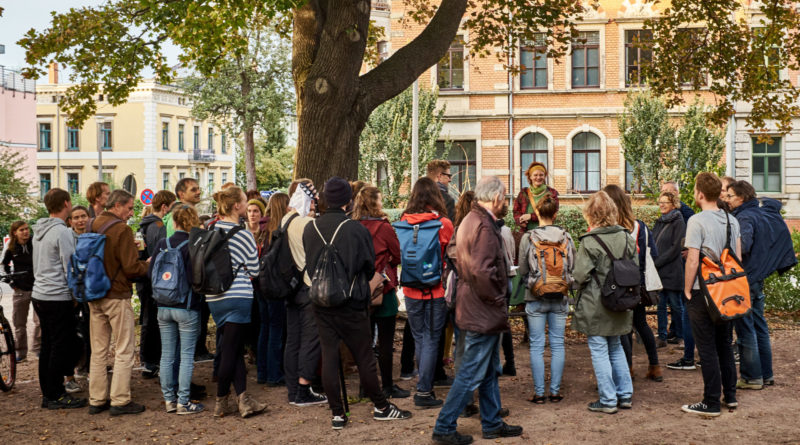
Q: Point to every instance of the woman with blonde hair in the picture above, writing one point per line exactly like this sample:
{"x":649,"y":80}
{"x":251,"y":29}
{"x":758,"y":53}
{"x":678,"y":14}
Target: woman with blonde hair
{"x":602,"y":326}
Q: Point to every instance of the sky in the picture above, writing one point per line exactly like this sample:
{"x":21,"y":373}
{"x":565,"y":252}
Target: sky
{"x":21,"y":15}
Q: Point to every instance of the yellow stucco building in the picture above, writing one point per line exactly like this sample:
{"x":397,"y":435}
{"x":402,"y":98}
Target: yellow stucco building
{"x":151,"y":141}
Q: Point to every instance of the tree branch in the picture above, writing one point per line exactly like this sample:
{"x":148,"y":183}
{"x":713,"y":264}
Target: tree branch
{"x":400,"y":70}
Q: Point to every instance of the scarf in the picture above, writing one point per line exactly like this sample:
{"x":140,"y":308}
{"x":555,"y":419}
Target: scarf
{"x":535,"y":194}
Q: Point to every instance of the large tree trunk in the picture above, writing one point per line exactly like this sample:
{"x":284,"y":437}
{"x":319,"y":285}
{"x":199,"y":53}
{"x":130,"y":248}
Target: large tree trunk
{"x":333,"y":101}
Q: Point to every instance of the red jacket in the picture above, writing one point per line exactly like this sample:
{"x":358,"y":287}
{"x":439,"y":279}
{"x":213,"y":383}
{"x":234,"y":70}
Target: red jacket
{"x":387,"y":249}
{"x":445,"y":233}
{"x":521,"y":206}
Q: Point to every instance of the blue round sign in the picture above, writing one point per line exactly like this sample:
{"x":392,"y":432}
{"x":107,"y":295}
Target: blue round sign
{"x":147,"y":197}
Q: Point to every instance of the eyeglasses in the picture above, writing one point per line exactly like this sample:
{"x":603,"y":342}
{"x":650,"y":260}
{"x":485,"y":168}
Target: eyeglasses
{"x":664,"y":202}
{"x":449,"y":175}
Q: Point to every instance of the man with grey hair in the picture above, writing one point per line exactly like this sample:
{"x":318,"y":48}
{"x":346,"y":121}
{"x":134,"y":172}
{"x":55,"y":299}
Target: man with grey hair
{"x":112,"y":315}
{"x":482,"y":313}
{"x":672,"y":187}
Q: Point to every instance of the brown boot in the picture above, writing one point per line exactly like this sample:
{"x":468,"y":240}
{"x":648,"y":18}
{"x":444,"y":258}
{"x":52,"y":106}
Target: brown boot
{"x":224,"y":406}
{"x":654,"y":373}
{"x":249,"y":406}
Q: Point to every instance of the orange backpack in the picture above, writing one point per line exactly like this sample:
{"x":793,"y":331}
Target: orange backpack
{"x":551,"y":262}
{"x":724,"y":283}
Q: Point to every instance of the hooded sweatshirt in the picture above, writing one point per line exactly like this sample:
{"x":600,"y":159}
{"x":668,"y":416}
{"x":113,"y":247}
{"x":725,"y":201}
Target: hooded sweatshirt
{"x":153,"y":230}
{"x":22,"y":258}
{"x":445,"y":233}
{"x":53,"y":245}
{"x":550,"y":233}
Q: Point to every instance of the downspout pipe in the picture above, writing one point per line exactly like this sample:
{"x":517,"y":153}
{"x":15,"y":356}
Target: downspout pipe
{"x":510,"y":57}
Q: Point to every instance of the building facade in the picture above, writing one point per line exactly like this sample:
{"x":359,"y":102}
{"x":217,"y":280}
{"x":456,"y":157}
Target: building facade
{"x":151,"y":141}
{"x":18,"y":121}
{"x":564,"y":113}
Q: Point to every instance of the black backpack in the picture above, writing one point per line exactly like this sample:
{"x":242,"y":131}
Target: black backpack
{"x":212,"y":269}
{"x":329,"y":287}
{"x":278,"y":277}
{"x":620,"y":292}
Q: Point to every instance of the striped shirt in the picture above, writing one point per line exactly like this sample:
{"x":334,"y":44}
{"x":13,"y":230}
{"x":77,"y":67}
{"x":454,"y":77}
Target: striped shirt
{"x":235,"y":304}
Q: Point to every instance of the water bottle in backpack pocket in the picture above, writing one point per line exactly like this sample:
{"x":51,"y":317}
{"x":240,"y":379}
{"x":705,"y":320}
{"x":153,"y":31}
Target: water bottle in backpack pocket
{"x":421,"y":253}
{"x":170,"y":284}
{"x":86,"y":276}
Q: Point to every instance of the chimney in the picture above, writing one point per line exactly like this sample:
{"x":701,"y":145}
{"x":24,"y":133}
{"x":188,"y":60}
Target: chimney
{"x":52,"y":73}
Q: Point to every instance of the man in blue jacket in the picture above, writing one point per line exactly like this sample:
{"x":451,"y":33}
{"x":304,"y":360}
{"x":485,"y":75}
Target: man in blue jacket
{"x":766,"y":248}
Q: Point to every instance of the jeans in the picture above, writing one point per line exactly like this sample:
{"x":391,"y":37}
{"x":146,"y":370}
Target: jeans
{"x":753,"y":338}
{"x":269,"y":360}
{"x":478,"y":368}
{"x":554,"y":315}
{"x":179,"y":330}
{"x":688,"y":338}
{"x":610,"y":369}
{"x":427,"y":318}
{"x":671,"y":298}
{"x":716,"y":353}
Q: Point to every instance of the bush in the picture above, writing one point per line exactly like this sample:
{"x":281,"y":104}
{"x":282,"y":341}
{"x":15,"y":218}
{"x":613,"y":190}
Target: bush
{"x":782,"y":292}
{"x":570,"y":217}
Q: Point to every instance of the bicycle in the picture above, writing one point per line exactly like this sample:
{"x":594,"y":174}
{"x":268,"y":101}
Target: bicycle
{"x":8,"y":351}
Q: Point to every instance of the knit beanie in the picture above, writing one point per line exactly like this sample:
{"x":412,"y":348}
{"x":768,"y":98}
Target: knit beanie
{"x":337,"y":192}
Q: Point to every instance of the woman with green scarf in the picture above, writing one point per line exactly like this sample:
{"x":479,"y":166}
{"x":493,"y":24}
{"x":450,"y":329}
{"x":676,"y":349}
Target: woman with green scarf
{"x":524,"y":215}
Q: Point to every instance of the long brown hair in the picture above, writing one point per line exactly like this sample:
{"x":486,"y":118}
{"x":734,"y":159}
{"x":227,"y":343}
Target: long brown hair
{"x":278,"y":203}
{"x":623,"y":201}
{"x":12,"y":242}
{"x":464,"y":206}
{"x":227,"y":199}
{"x":367,"y":204}
{"x":425,"y":197}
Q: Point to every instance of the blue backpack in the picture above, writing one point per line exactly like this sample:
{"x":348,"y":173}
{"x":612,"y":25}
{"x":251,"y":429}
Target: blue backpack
{"x":170,"y":285}
{"x":87,"y":277}
{"x":420,"y":253}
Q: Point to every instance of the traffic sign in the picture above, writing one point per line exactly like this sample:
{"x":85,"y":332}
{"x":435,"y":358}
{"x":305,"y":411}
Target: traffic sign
{"x":147,"y":197}
{"x":266,"y":194}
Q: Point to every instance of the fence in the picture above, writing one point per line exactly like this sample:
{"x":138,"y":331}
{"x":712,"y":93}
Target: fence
{"x":13,"y":81}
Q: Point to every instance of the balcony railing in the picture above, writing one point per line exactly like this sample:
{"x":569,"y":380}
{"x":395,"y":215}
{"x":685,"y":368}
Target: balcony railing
{"x":13,"y":81}
{"x":381,"y":5}
{"x":202,"y":156}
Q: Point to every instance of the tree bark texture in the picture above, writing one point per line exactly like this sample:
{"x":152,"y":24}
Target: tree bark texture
{"x":333,"y":100}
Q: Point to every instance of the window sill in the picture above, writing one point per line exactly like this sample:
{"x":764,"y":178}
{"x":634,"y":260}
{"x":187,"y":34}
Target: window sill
{"x":45,"y":150}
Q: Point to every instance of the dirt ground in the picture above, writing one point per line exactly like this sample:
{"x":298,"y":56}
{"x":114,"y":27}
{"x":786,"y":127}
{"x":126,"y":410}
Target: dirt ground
{"x":769,"y":416}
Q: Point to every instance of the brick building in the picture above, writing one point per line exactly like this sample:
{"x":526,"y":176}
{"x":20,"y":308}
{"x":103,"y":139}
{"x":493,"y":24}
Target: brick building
{"x":565,"y":114}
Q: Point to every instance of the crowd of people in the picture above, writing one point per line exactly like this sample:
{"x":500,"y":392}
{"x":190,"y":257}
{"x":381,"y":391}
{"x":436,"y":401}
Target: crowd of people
{"x":458,"y":268}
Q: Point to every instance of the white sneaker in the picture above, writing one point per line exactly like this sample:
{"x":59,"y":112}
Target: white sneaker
{"x":71,"y":386}
{"x":171,"y":406}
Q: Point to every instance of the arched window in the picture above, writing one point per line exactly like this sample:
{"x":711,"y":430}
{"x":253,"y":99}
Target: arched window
{"x":586,"y":162}
{"x":532,"y":147}
{"x":129,"y":185}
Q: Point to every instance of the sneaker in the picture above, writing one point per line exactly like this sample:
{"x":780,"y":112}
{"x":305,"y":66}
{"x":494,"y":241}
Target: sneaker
{"x":674,"y":340}
{"x":452,"y":439}
{"x":625,"y":402}
{"x":131,"y":408}
{"x":150,"y":373}
{"x":504,"y":412}
{"x":20,"y":359}
{"x":171,"y":407}
{"x":190,"y":408}
{"x":505,"y":430}
{"x":769,"y":382}
{"x":426,"y":400}
{"x":71,"y":386}
{"x":730,"y":404}
{"x":750,"y":384}
{"x":736,"y":355}
{"x":391,"y":412}
{"x":409,"y":375}
{"x":275,"y":384}
{"x":309,"y":398}
{"x":67,"y":402}
{"x":600,"y":408}
{"x":97,"y":409}
{"x":701,"y":409}
{"x":444,"y":383}
{"x":338,"y":422}
{"x":396,"y":392}
{"x":661,"y":343}
{"x":469,"y":411}
{"x":682,"y":364}
{"x":45,"y":402}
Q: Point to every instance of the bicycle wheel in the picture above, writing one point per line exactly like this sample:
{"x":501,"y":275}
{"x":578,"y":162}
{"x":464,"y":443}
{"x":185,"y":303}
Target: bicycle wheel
{"x":8,"y":358}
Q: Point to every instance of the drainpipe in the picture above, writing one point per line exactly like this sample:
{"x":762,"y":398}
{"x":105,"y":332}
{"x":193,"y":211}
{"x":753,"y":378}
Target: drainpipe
{"x":730,"y":168}
{"x":510,"y":57}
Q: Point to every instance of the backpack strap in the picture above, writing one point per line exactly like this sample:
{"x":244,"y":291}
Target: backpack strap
{"x":605,"y":247}
{"x":107,"y":225}
{"x":334,"y":233}
{"x":289,"y":221}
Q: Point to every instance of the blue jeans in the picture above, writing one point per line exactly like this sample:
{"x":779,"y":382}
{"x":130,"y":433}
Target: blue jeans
{"x":554,"y":314}
{"x":673,"y":299}
{"x":179,"y":329}
{"x":688,"y":340}
{"x":752,"y":335}
{"x":426,"y":318}
{"x":269,"y":359}
{"x":479,"y":369}
{"x":610,"y":369}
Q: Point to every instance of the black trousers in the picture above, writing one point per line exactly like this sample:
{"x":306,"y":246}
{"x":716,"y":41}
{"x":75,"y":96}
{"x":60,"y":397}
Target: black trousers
{"x":713,"y":343}
{"x":60,"y":345}
{"x":507,"y":342}
{"x":201,"y":348}
{"x":301,"y":356}
{"x":352,"y":327}
{"x":82,"y":317}
{"x":386,"y":326}
{"x":645,"y":333}
{"x":408,"y":351}
{"x":150,"y":336}
{"x":231,"y":359}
